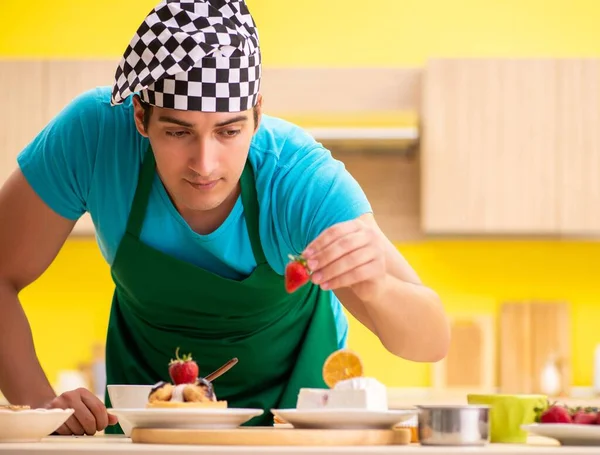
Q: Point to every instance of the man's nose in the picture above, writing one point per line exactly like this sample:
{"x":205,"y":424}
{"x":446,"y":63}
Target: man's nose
{"x":204,"y":160}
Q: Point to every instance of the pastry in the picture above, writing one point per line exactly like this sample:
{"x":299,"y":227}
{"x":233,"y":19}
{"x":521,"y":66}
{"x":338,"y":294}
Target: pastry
{"x":187,"y":388}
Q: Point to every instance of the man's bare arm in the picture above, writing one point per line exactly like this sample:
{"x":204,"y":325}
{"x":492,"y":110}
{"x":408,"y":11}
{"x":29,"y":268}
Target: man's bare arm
{"x":31,"y":235}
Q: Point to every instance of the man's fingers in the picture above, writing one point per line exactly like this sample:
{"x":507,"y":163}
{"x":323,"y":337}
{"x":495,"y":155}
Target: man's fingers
{"x":343,"y":265}
{"x":337,"y":250}
{"x":74,"y":426}
{"x":97,"y":409}
{"x":328,"y":236}
{"x":112,"y":420}
{"x":83,"y":415}
{"x":355,"y":276}
{"x":64,"y":430}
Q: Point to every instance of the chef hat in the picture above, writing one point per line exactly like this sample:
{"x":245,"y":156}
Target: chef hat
{"x":200,"y":55}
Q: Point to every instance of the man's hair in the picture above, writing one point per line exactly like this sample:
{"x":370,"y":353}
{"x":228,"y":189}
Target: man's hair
{"x":148,"y":112}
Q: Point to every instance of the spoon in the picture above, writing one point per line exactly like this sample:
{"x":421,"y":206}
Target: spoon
{"x":222,"y":370}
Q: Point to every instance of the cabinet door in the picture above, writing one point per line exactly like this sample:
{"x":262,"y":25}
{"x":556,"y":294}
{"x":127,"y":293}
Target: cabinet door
{"x":578,"y":145}
{"x":22,"y":112}
{"x":488,"y":147}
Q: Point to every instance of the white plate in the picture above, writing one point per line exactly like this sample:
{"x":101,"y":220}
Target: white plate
{"x":30,"y":425}
{"x":185,"y":418}
{"x":344,"y":418}
{"x":568,"y":434}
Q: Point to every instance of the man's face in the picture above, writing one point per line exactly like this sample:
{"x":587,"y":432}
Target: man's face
{"x":200,"y":156}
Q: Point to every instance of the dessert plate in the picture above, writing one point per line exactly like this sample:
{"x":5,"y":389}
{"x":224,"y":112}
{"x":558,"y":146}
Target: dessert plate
{"x":180,"y":418}
{"x":344,"y":418}
{"x":568,"y":434}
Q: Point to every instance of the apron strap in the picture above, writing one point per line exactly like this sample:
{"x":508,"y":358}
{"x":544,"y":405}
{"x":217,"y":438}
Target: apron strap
{"x":250,"y":203}
{"x":142,"y":194}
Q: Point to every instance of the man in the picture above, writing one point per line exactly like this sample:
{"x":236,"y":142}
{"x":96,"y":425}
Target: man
{"x":198,"y":199}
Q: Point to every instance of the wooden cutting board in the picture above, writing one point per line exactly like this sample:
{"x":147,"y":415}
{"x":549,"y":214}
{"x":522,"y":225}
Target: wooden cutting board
{"x":272,"y":437}
{"x":471,"y":361}
{"x":531,"y":332}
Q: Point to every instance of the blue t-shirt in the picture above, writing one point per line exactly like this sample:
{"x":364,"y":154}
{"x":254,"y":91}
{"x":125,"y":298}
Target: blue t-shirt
{"x":87,"y":159}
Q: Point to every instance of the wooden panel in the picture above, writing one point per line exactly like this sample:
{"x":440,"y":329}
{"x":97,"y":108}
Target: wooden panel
{"x":471,"y":361}
{"x":515,"y":348}
{"x":550,"y":338}
{"x":531,"y":333}
{"x":323,"y":90}
{"x":578,"y":144}
{"x":22,"y":115}
{"x":487,"y":146}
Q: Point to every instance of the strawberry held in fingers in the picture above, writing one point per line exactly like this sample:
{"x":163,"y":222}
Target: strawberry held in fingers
{"x":183,"y":370}
{"x":297,"y":273}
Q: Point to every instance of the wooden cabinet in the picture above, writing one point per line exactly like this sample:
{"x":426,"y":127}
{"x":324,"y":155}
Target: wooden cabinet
{"x":511,"y":146}
{"x":32,"y":93}
{"x":578,"y":147}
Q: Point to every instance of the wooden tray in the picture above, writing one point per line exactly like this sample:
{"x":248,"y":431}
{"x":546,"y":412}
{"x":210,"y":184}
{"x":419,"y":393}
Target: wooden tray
{"x":272,"y":437}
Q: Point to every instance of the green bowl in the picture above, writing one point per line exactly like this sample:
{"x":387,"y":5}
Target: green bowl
{"x":508,"y":413}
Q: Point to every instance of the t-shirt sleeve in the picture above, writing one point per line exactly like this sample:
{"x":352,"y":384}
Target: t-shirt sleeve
{"x":59,"y":162}
{"x":318,"y":192}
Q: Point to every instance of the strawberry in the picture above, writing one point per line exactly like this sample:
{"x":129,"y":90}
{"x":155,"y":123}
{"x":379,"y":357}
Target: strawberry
{"x":556,"y":414}
{"x":297,"y":273}
{"x":183,"y":370}
{"x":585,"y":418}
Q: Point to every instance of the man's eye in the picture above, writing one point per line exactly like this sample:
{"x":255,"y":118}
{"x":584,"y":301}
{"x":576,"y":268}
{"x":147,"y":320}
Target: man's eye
{"x":230,"y":133}
{"x":177,"y":134}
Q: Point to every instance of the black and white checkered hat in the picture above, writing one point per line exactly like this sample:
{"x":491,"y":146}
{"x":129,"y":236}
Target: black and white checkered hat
{"x":200,"y":55}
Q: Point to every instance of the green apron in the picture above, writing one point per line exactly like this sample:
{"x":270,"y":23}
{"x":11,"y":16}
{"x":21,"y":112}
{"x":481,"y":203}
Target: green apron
{"x":161,"y":303}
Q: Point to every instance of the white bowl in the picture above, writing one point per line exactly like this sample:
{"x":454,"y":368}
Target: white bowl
{"x":30,"y":425}
{"x":128,"y":397}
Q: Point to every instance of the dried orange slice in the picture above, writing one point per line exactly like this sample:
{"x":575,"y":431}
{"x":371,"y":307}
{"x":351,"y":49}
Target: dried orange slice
{"x":340,"y":365}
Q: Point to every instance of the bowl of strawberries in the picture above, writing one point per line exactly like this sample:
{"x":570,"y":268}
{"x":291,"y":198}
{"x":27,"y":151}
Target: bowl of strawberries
{"x":569,"y":425}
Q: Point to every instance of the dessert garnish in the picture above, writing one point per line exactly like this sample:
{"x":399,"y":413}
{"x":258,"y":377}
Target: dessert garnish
{"x":297,"y":273}
{"x":341,"y":365}
{"x":183,"y":370}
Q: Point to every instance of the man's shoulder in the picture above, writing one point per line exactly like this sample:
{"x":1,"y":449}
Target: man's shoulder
{"x":280,"y":145}
{"x":276,"y":135}
{"x":95,"y":103}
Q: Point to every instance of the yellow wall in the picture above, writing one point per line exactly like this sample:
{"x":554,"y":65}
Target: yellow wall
{"x":333,"y":32}
{"x":470,"y":275}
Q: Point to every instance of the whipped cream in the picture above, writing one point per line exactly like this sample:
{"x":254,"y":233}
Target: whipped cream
{"x":177,"y":394}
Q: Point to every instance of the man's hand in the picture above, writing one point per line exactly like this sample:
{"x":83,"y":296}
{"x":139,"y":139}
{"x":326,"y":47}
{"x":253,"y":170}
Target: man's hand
{"x":349,"y":255}
{"x":90,"y":413}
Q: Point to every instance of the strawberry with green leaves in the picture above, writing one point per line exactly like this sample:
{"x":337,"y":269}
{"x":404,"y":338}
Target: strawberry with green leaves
{"x":183,"y":370}
{"x":297,"y":273}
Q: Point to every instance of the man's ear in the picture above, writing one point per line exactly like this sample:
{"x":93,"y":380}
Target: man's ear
{"x":258,"y":111}
{"x":138,"y":115}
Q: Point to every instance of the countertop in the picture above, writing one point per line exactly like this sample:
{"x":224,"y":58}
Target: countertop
{"x":119,"y":445}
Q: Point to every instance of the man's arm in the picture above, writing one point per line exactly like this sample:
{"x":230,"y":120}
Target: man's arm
{"x":31,"y":235}
{"x":408,"y":317}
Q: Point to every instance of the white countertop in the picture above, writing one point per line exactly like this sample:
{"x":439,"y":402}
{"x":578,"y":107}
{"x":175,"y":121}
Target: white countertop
{"x":119,"y":445}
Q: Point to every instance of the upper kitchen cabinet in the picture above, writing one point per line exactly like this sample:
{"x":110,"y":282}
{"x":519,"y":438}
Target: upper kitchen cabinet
{"x":489,"y":147}
{"x":578,"y":146}
{"x":23,"y":110}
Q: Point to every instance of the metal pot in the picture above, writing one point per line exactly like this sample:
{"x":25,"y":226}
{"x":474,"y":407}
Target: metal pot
{"x":454,"y":425}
